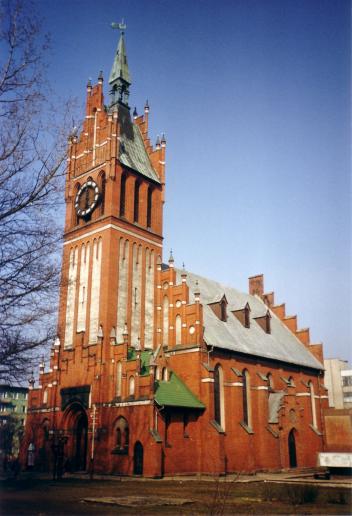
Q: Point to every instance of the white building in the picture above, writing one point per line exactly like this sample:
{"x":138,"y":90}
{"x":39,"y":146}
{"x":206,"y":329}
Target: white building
{"x":338,"y":380}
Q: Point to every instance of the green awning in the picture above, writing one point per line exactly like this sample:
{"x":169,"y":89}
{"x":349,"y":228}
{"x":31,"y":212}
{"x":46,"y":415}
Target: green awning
{"x":174,"y":393}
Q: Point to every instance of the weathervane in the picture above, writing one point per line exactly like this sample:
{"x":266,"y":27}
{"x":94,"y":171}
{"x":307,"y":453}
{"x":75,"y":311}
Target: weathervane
{"x":121,"y":26}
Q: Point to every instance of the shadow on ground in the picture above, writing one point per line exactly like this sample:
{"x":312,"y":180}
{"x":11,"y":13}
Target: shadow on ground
{"x":76,"y":496}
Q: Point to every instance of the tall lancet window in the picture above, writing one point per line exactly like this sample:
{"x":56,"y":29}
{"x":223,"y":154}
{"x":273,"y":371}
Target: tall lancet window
{"x":95,"y":290}
{"x":149,"y":299}
{"x":219,"y":407}
{"x":118,"y":378}
{"x":131,"y":386}
{"x":165,"y":321}
{"x":178,"y":327}
{"x":136,"y":201}
{"x":123,"y":196}
{"x":102,"y":192}
{"x":83,"y":284}
{"x":149,"y":207}
{"x":246,"y":399}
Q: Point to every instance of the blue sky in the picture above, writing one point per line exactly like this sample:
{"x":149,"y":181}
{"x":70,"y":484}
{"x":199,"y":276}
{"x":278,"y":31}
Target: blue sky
{"x":254,"y":99}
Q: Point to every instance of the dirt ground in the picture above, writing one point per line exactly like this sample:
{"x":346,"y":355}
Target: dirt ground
{"x":42,"y":497}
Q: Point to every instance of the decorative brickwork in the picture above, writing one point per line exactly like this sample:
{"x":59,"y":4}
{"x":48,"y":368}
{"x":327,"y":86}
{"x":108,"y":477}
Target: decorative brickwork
{"x":157,"y":371}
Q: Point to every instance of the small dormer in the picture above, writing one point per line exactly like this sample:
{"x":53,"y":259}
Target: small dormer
{"x":220,"y":308}
{"x":243,"y":315}
{"x":265,"y":322}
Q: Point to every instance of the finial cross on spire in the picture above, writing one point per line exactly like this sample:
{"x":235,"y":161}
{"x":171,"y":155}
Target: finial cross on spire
{"x":121,"y":26}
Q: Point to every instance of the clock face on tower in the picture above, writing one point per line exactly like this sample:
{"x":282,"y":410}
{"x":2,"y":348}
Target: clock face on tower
{"x":87,"y":199}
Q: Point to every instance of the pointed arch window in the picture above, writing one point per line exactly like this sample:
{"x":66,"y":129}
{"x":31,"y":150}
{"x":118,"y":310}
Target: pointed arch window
{"x":121,"y":436}
{"x":246,"y":399}
{"x":149,"y":206}
{"x":102,"y":192}
{"x":131,"y":386}
{"x":178,"y":328}
{"x":219,"y":408}
{"x":136,"y":201}
{"x":118,"y":378}
{"x":123,"y":195}
{"x":165,"y":321}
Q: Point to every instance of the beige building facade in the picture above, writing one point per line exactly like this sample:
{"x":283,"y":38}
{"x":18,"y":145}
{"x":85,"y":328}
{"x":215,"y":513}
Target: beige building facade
{"x":338,"y":380}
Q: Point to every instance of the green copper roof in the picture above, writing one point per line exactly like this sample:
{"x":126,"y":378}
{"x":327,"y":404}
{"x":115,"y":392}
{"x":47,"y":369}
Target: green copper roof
{"x":174,"y":393}
{"x":119,"y":68}
{"x":145,"y":359}
{"x":132,"y":152}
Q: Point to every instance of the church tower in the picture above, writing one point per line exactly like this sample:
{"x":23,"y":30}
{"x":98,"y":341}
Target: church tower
{"x":113,"y":227}
{"x":107,"y":325}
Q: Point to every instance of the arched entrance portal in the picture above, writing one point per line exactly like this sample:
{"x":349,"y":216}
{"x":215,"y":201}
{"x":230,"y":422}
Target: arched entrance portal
{"x":81,"y":433}
{"x":77,"y":429}
{"x":292,"y":449}
{"x":138,"y":459}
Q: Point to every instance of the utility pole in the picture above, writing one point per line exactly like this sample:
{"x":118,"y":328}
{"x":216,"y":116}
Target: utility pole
{"x":93,"y":416}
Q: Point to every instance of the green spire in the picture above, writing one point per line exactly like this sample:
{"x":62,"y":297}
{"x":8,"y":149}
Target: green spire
{"x":120,"y":79}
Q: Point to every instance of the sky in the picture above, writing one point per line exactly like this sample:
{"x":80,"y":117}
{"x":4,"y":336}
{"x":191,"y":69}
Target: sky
{"x":254,"y":99}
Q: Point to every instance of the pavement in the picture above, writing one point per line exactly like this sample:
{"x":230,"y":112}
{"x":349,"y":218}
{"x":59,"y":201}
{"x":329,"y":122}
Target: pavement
{"x":293,"y":476}
{"x":34,"y":494}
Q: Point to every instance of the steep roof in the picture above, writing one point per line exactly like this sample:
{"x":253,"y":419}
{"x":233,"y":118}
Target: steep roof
{"x":174,"y":393}
{"x":132,"y":151}
{"x":281,"y":344}
{"x":119,"y":68}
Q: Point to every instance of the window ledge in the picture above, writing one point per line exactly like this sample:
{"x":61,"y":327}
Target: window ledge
{"x":273,"y":433}
{"x":246,"y":427}
{"x":208,"y":367}
{"x":217,"y":427}
{"x":156,"y":436}
{"x":237,"y":372}
{"x":315,"y":430}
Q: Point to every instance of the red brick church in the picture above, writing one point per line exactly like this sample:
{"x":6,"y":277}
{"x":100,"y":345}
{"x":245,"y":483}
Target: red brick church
{"x":155,"y":370}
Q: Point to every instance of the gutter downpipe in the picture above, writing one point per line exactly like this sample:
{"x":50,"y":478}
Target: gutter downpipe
{"x":322,"y":425}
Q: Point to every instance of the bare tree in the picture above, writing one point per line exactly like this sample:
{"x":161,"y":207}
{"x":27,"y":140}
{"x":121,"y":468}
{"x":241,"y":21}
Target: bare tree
{"x":32,"y":152}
